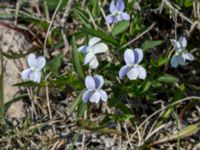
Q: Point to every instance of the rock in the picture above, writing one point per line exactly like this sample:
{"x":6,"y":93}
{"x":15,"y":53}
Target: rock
{"x":12,"y":41}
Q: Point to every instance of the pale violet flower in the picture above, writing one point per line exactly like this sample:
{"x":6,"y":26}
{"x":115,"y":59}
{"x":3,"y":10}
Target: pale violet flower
{"x":94,"y":47}
{"x":181,"y":54}
{"x":33,"y":73}
{"x":94,"y":92}
{"x":132,"y":68}
{"x":117,"y":13}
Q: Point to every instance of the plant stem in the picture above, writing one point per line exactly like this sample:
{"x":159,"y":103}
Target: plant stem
{"x":1,"y":89}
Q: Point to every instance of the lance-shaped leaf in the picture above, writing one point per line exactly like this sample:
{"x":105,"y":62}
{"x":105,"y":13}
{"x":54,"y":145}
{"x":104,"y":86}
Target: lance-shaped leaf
{"x":75,"y":59}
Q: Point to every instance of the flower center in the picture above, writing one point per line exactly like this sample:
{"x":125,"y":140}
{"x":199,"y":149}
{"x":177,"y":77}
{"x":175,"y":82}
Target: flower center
{"x":180,"y":52}
{"x":133,"y":65}
{"x":116,"y":13}
{"x":90,"y":50}
{"x":34,"y":69}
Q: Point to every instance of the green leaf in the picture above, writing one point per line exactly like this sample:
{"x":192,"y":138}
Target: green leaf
{"x":79,"y":105}
{"x":150,"y":44}
{"x":95,"y":8}
{"x":82,"y":107}
{"x":122,"y":117}
{"x":55,"y":64}
{"x":166,"y":78}
{"x":52,"y":4}
{"x":12,"y":55}
{"x":94,"y":126}
{"x":31,"y":84}
{"x":188,"y":3}
{"x":120,"y":27}
{"x":104,"y":36}
{"x":75,"y":59}
{"x":72,"y":81}
{"x":76,"y":102}
{"x":162,"y":61}
{"x":82,"y":16}
{"x":144,"y":87}
{"x":185,"y":132}
{"x":119,"y":93}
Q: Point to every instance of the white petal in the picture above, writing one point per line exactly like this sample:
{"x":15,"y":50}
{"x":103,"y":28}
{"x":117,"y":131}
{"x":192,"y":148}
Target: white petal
{"x":183,"y":42}
{"x":103,"y":95}
{"x":83,"y":49}
{"x":176,"y":44}
{"x":181,"y":60}
{"x":95,"y":98}
{"x":86,"y":95}
{"x":100,"y":48}
{"x":94,"y":40}
{"x":120,"y":5}
{"x":138,"y":53}
{"x":40,"y":63}
{"x":89,"y":83}
{"x":129,"y":56}
{"x":133,"y":73}
{"x":35,"y":76}
{"x":25,"y":74}
{"x":99,"y":81}
{"x":31,"y":60}
{"x":112,"y":6}
{"x":177,"y":60}
{"x":188,"y":56}
{"x":94,"y":63}
{"x":142,"y":74}
{"x":88,"y":58}
{"x":174,"y":62}
{"x":109,"y":19}
{"x":123,"y":71}
{"x":125,"y":16}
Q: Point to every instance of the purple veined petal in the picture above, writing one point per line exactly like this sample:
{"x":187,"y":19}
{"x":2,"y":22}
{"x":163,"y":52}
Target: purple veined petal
{"x":120,"y":5}
{"x":103,"y":95}
{"x":89,"y":83}
{"x":40,"y":62}
{"x":99,"y":81}
{"x":100,"y":48}
{"x":95,"y":97}
{"x":133,"y":73}
{"x":112,"y":7}
{"x":183,"y":42}
{"x":86,"y":95}
{"x":138,"y":53}
{"x":83,"y":49}
{"x":129,"y":56}
{"x":94,"y":63}
{"x":125,"y":16}
{"x":110,"y":19}
{"x":115,"y":19}
{"x":142,"y":74}
{"x":123,"y":71}
{"x":31,"y":60}
{"x":176,"y":44}
{"x":188,"y":56}
{"x":25,"y":74}
{"x":94,"y":41}
{"x":88,"y":58}
{"x":35,"y":76}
